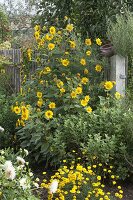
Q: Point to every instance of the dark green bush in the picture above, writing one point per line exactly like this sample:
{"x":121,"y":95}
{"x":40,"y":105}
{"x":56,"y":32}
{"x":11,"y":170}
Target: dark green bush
{"x":7,"y":121}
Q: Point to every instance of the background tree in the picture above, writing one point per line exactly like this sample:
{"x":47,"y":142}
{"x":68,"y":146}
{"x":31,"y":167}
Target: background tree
{"x":89,"y":16}
{"x":4,"y":25}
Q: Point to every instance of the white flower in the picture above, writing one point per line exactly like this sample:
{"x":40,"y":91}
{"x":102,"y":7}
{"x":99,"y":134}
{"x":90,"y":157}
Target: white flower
{"x":2,"y":152}
{"x":23,"y":183}
{"x":1,"y":129}
{"x":53,"y":186}
{"x":26,"y":152}
{"x":36,"y":184}
{"x":20,"y":160}
{"x":30,"y":174}
{"x":7,"y":164}
{"x":10,"y":172}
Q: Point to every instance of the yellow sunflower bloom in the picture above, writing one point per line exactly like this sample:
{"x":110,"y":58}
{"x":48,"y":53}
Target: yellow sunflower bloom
{"x":39,"y":94}
{"x":108,"y":85}
{"x":60,"y":84}
{"x":52,"y":105}
{"x":65,"y":62}
{"x":25,"y":115}
{"x":98,"y":68}
{"x":88,"y":53}
{"x":62,"y":90}
{"x":46,"y":70}
{"x":51,"y":46}
{"x":117,"y":95}
{"x":72,"y":44}
{"x":40,"y":103}
{"x":69,"y":27}
{"x":73,"y":94}
{"x":16,"y":109}
{"x":86,"y":71}
{"x":52,"y":30}
{"x":84,"y":102}
{"x":83,"y":61}
{"x":88,"y":42}
{"x":78,"y":90}
{"x":98,"y":41}
{"x":49,"y":114}
{"x":84,"y":80}
{"x":87,"y":98}
{"x":37,"y":35}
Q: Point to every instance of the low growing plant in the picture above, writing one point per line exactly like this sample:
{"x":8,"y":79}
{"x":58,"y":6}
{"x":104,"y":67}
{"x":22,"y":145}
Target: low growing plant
{"x":74,"y":181}
{"x":16,"y":179}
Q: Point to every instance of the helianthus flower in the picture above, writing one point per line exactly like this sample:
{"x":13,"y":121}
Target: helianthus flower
{"x":37,"y":35}
{"x":65,"y":62}
{"x":108,"y":85}
{"x":52,"y":30}
{"x":88,"y":53}
{"x":84,"y":80}
{"x":83,"y":61}
{"x":88,"y":42}
{"x":60,"y":83}
{"x":25,"y":115}
{"x":52,"y":105}
{"x":69,"y":27}
{"x":62,"y":90}
{"x":86,"y":71}
{"x":117,"y":95}
{"x":78,"y":90}
{"x":72,"y":44}
{"x":73,"y":94}
{"x":49,"y":114}
{"x":84,"y":102}
{"x":39,"y":94}
{"x":17,"y":109}
{"x":87,"y":98}
{"x":51,"y":46}
{"x":46,"y":70}
{"x":40,"y":102}
{"x":48,"y":37}
{"x":98,"y":68}
{"x":37,"y":28}
{"x":98,"y":41}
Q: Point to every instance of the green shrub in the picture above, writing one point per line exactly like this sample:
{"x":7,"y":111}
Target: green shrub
{"x":120,"y":34}
{"x":7,"y":121}
{"x":102,"y":134}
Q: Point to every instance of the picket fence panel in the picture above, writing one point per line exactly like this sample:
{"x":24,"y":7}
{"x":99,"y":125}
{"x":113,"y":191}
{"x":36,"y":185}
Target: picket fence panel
{"x":13,"y":69}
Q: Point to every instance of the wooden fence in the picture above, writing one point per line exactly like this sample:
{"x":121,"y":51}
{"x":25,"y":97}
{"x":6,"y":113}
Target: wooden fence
{"x":13,"y":69}
{"x":118,"y":71}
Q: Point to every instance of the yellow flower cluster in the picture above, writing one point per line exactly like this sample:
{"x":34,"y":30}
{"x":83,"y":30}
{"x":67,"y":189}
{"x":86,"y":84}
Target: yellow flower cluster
{"x":75,"y":181}
{"x":23,"y":111}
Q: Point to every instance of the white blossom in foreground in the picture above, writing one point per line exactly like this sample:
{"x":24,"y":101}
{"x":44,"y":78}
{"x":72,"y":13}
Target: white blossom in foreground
{"x":1,"y":129}
{"x":7,"y":164}
{"x":53,"y":186}
{"x":10,"y":172}
{"x":23,"y":183}
{"x":20,"y":160}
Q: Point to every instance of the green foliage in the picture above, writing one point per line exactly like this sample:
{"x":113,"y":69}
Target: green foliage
{"x":16,"y":181}
{"x":120,"y":34}
{"x":56,"y":82}
{"x":102,"y":135}
{"x":7,"y":121}
{"x":88,"y":16}
{"x":4,"y":26}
